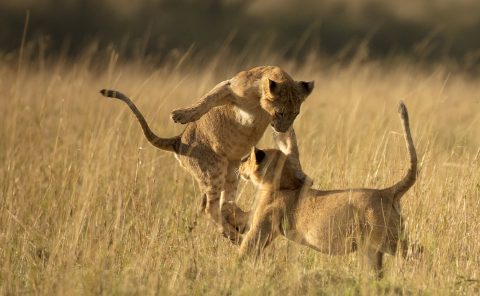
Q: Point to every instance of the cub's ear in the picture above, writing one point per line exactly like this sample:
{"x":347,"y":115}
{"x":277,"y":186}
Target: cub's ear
{"x":258,"y":154}
{"x":273,"y":86}
{"x":307,"y":86}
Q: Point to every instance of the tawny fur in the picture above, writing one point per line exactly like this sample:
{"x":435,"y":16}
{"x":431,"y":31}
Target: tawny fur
{"x":222,"y":127}
{"x":332,"y":222}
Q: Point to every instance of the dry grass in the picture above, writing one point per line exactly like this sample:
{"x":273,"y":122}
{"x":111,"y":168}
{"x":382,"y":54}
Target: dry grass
{"x":87,"y":206}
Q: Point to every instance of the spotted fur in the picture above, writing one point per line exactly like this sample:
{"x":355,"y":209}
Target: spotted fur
{"x":221,"y":128}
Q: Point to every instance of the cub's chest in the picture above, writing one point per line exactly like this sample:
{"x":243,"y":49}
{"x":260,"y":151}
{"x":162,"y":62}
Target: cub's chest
{"x":244,"y":117}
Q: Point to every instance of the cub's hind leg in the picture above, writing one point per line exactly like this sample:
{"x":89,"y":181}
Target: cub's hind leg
{"x":375,"y":259}
{"x":213,"y":209}
{"x":210,"y":171}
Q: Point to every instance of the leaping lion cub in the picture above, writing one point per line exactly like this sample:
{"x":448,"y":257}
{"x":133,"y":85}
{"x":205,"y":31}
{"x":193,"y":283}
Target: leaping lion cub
{"x":222,"y":127}
{"x":332,"y":222}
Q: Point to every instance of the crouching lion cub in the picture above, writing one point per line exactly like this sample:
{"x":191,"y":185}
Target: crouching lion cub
{"x":333,"y":222}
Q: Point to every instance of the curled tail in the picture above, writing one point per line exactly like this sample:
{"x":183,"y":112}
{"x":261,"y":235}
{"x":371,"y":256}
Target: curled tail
{"x":168,"y":144}
{"x":409,"y":179}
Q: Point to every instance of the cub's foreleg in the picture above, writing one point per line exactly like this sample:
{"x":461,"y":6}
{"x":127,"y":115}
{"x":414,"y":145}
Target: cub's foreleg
{"x":219,"y":95}
{"x":287,"y":143}
{"x":264,"y":229}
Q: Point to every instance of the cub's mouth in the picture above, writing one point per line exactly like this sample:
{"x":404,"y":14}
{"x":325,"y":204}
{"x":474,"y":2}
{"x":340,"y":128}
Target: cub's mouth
{"x":279,"y":128}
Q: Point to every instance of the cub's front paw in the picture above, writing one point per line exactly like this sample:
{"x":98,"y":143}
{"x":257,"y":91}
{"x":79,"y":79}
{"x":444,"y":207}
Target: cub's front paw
{"x":184,"y":116}
{"x":237,"y":219}
{"x":234,"y":237}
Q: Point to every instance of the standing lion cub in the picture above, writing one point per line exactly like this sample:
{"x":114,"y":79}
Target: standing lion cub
{"x":222,"y":127}
{"x":332,"y":222}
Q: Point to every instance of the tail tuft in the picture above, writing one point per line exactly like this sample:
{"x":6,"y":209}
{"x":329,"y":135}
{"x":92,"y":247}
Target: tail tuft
{"x":109,"y":93}
{"x":402,"y":109}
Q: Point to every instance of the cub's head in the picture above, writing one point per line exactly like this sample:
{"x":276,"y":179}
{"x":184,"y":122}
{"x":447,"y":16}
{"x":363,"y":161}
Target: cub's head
{"x":282,"y":100}
{"x":270,"y":168}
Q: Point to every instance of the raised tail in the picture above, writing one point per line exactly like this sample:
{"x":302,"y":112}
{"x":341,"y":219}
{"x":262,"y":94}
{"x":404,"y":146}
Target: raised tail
{"x":409,"y":179}
{"x":168,"y":144}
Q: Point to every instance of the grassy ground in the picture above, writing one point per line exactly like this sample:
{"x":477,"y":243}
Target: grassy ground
{"x":87,"y":206}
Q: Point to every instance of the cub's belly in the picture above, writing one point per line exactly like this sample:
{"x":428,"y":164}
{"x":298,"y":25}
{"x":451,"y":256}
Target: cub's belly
{"x":235,"y":140}
{"x":232,"y":131}
{"x":328,"y":239}
{"x":238,"y":143}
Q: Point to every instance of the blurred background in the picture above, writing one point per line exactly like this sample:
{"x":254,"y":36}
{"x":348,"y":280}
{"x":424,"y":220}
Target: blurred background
{"x":428,"y":30}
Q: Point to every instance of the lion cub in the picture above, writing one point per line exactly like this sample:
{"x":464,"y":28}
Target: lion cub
{"x":222,"y":127}
{"x":333,"y":222}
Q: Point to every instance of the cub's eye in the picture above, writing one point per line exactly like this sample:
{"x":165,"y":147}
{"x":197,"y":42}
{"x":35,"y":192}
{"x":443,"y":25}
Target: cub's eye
{"x":244,"y":159}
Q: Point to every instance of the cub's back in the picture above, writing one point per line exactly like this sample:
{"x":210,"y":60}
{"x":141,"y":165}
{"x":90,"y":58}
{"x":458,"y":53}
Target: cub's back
{"x":321,"y":207}
{"x":247,"y":84}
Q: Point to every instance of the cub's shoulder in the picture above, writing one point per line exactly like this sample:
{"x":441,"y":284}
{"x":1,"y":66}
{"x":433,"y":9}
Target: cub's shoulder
{"x":248,"y":83}
{"x":257,"y":73}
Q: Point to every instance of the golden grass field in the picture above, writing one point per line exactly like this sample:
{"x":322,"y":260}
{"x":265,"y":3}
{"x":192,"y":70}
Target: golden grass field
{"x":87,"y":206}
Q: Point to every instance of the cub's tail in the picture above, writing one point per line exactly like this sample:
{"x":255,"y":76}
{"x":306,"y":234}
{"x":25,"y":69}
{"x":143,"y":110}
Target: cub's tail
{"x":409,"y":179}
{"x":168,"y":144}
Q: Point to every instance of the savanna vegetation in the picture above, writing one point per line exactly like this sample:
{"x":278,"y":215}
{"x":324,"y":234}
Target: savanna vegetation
{"x":87,"y":206}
